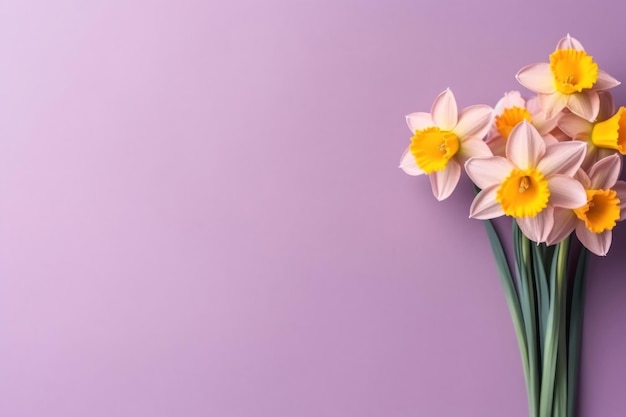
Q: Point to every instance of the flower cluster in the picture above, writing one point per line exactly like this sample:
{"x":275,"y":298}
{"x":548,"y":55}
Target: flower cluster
{"x":551,"y":162}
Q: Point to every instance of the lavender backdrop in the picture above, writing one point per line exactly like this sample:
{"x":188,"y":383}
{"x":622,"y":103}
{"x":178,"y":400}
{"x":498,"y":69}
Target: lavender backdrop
{"x":201,"y":212}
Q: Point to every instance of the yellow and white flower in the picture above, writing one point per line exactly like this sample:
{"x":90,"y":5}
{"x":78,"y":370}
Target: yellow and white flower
{"x":570,"y":80}
{"x":605,"y":206}
{"x":512,"y":109}
{"x":443,"y":140}
{"x":529,"y":183}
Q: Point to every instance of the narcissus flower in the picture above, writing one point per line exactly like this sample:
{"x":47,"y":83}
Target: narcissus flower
{"x":605,"y":136}
{"x":529,"y":183}
{"x":605,"y":206}
{"x":511,"y":110}
{"x":572,"y":79}
{"x":443,"y":140}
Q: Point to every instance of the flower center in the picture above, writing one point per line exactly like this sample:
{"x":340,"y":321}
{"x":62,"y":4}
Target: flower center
{"x":433,"y":148}
{"x":611,"y":133}
{"x":524,"y":193}
{"x":601,"y":211}
{"x":573,"y":70}
{"x":509,"y":118}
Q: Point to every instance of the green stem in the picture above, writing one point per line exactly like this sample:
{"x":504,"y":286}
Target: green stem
{"x":512,"y":298}
{"x":575,"y":331}
{"x":558,"y":286}
{"x":561,"y":374}
{"x":527,"y":301}
{"x":543,"y":293}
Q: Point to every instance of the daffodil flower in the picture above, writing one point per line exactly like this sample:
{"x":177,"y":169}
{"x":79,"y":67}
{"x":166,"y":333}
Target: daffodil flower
{"x":572,"y":79}
{"x":529,"y":183}
{"x":443,"y":140}
{"x":605,"y":136}
{"x":511,"y":110}
{"x":605,"y":206}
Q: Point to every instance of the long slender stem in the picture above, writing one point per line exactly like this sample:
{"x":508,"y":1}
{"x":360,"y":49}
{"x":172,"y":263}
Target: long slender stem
{"x":511,"y":295}
{"x":523,"y":269}
{"x":557,"y":282}
{"x":575,"y":331}
{"x":561,"y":373}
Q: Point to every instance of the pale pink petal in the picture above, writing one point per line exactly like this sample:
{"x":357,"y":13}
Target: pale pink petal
{"x":533,"y":105}
{"x":419,"y":121}
{"x":543,"y":125}
{"x":549,"y":139}
{"x":509,"y":100}
{"x":564,"y":223}
{"x":562,"y":158}
{"x":444,"y":110}
{"x":487,"y":172}
{"x":566,"y":192}
{"x":408,"y":164}
{"x":485,"y":205}
{"x":597,"y":243}
{"x":585,"y":104}
{"x":582,"y":177}
{"x":525,"y":146}
{"x":497,"y":144}
{"x":594,"y":154}
{"x":474,"y":121}
{"x":537,"y":78}
{"x":569,"y":43}
{"x":605,"y":81}
{"x":560,"y":135}
{"x":473,"y":148}
{"x":620,"y":188}
{"x":538,"y":116}
{"x":605,"y":172}
{"x":444,"y":182}
{"x":573,"y":126}
{"x":537,"y":228}
{"x":607,"y":105}
{"x":552,"y":104}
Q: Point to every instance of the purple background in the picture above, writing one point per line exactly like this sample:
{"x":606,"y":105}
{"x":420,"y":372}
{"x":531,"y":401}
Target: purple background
{"x":201,"y":212}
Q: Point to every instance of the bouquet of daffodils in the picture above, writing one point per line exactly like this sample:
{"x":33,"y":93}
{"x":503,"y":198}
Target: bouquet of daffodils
{"x":551,"y":163}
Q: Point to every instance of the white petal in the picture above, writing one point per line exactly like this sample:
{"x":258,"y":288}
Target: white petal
{"x":537,"y":78}
{"x":485,"y":205}
{"x":525,"y":146}
{"x":474,"y":121}
{"x":573,"y":126}
{"x":566,"y":192}
{"x":419,"y":121}
{"x":605,"y":172}
{"x":563,"y":158}
{"x":487,"y":172}
{"x":444,"y":110}
{"x":564,"y":224}
{"x":444,"y":182}
{"x":605,"y":81}
{"x":553,"y":103}
{"x":543,"y":125}
{"x":533,"y":105}
{"x":473,"y":148}
{"x":586,"y":104}
{"x":569,"y":42}
{"x":510,"y":99}
{"x":594,"y":154}
{"x":582,"y":177}
{"x":537,"y":228}
{"x":549,"y":139}
{"x":607,"y":105}
{"x":408,"y":164}
{"x":620,"y":188}
{"x":497,"y":144}
{"x":597,"y":243}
